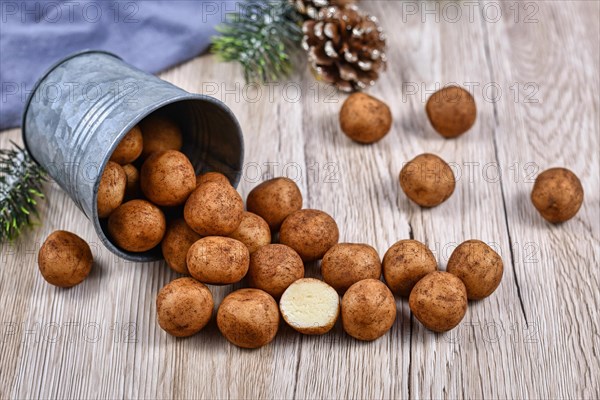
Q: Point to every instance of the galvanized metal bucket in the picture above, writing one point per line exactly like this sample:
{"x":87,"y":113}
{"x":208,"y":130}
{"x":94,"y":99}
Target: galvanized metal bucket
{"x":83,"y":106}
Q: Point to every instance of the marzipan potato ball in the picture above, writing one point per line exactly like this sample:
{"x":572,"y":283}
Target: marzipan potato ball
{"x":478,"y":266}
{"x":111,"y":190}
{"x":167,"y":178}
{"x":364,"y":118}
{"x":274,"y":200}
{"x":557,"y":194}
{"x":275,"y":267}
{"x":218,"y":260}
{"x":347,"y":263}
{"x":184,"y":306}
{"x":65,"y":259}
{"x":248,"y":318}
{"x":212,"y":177}
{"x":253,"y":231}
{"x":132,"y":189}
{"x":310,"y":232}
{"x":175,"y":245}
{"x":310,"y":306}
{"x":451,"y":111}
{"x":130,"y":147}
{"x":368,"y":310}
{"x":405,"y":263}
{"x":439,"y":301}
{"x":214,"y":209}
{"x":160,"y":133}
{"x":427,"y":180}
{"x":137,"y":226}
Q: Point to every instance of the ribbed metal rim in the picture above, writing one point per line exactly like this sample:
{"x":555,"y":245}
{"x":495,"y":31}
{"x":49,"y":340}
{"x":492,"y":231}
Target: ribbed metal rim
{"x":42,"y":78}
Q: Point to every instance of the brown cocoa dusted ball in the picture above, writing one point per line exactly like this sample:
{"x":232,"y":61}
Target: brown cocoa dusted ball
{"x":212,"y":177}
{"x":274,"y":200}
{"x":160,"y":133}
{"x":364,"y":118}
{"x":248,"y":318}
{"x":178,"y":239}
{"x":167,"y":178}
{"x":137,"y":226}
{"x":427,"y":180}
{"x":557,"y":194}
{"x":214,"y":209}
{"x":130,"y":147}
{"x":311,"y":233}
{"x":274,"y":267}
{"x":478,"y":266}
{"x":253,"y":231}
{"x":111,"y":190}
{"x":405,"y":263}
{"x":218,"y":260}
{"x":184,"y":306}
{"x":347,"y":263}
{"x":132,"y":190}
{"x":439,"y":301}
{"x":65,"y":259}
{"x":368,"y":310}
{"x":451,"y":111}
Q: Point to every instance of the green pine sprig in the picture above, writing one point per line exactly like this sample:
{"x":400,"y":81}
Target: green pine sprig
{"x":261,"y":37}
{"x":21,"y":181}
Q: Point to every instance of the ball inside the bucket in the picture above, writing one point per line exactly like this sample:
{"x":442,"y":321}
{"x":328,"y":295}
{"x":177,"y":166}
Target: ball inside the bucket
{"x":111,"y":190}
{"x":130,"y":147}
{"x":167,"y":178}
{"x":160,"y":133}
{"x":137,"y":226}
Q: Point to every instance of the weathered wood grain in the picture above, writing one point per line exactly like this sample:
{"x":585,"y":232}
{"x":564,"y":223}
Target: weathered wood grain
{"x":536,"y":337}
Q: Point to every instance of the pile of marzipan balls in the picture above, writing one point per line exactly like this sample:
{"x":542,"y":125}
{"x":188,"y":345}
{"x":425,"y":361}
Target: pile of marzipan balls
{"x":213,"y":240}
{"x":427,"y":179}
{"x":217,"y":242}
{"x":228,"y":245}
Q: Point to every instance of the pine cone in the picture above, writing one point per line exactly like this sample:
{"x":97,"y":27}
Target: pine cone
{"x":311,"y":8}
{"x":346,"y":47}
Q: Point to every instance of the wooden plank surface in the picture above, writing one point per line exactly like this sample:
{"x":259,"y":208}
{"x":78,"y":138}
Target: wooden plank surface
{"x":533,"y":67}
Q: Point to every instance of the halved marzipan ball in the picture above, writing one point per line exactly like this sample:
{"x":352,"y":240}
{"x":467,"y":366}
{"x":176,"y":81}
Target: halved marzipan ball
{"x":130,"y":147}
{"x":274,"y":267}
{"x":137,"y":226}
{"x":427,"y":180}
{"x":368,"y":310}
{"x":310,"y":232}
{"x":218,"y":260}
{"x":212,"y":177}
{"x":248,"y":318}
{"x":364,"y":118}
{"x":557,"y":194}
{"x":405,"y":263}
{"x":65,"y":259}
{"x":132,"y":190}
{"x":111,"y":190}
{"x":274,"y":200}
{"x":478,"y":266}
{"x":451,"y":111}
{"x":176,"y":243}
{"x":253,"y":231}
{"x":184,"y":306}
{"x":439,"y":301}
{"x":214,"y":209}
{"x":310,"y":306}
{"x":167,"y":178}
{"x":160,"y":133}
{"x":347,"y":263}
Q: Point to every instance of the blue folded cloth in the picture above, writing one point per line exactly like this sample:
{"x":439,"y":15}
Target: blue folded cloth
{"x":151,"y":35}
